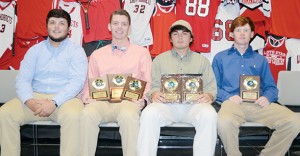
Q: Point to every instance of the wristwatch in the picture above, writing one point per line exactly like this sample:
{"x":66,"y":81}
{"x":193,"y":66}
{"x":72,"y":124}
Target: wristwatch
{"x":54,"y":102}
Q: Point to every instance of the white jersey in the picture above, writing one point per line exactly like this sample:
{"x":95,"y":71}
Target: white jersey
{"x":7,"y":25}
{"x":220,"y":36}
{"x":73,"y":8}
{"x":140,"y":12}
{"x":293,"y":47}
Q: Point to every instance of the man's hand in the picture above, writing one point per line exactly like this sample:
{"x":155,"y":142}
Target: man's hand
{"x":46,"y":109}
{"x":262,"y":101}
{"x":205,"y":98}
{"x":41,"y":107}
{"x":158,"y":97}
{"x":33,"y":104}
{"x":236,"y":99}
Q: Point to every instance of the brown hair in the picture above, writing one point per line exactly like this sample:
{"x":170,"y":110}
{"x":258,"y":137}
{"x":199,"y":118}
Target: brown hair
{"x":120,"y":12}
{"x":59,"y":13}
{"x":241,"y":21}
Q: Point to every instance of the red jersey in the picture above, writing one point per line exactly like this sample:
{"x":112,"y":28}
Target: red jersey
{"x":284,"y":18}
{"x":163,"y":18}
{"x":99,"y":12}
{"x":201,"y":15}
{"x":276,"y":53}
{"x":32,"y":17}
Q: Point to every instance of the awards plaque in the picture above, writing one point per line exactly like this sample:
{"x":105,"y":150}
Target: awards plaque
{"x":133,"y":89}
{"x":98,"y":88}
{"x":249,"y":88}
{"x":192,"y":88}
{"x":171,"y":87}
{"x":116,"y":85}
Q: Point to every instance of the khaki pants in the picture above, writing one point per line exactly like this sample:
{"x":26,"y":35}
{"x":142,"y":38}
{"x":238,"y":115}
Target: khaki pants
{"x":126,"y":114}
{"x":13,"y":114}
{"x":285,"y":123}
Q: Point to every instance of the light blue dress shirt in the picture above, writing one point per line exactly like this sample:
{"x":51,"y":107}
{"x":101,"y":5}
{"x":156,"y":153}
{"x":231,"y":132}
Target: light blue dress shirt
{"x":59,"y":71}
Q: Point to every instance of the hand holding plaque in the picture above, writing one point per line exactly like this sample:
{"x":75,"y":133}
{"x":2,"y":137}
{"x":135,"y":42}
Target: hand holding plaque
{"x":133,"y":89}
{"x":192,"y":88}
{"x":249,"y":88}
{"x":98,"y":88}
{"x":116,"y":84}
{"x":171,"y":87}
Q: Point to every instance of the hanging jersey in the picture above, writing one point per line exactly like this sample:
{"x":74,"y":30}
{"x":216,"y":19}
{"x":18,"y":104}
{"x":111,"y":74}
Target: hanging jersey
{"x":7,"y":25}
{"x":259,"y":12}
{"x":21,"y":46}
{"x":163,"y":18}
{"x":98,"y":13}
{"x":276,"y":53}
{"x":220,"y":34}
{"x":73,"y":8}
{"x":284,"y":19}
{"x":201,"y":15}
{"x":258,"y":40}
{"x":32,"y":18}
{"x":293,"y":47}
{"x":140,"y":13}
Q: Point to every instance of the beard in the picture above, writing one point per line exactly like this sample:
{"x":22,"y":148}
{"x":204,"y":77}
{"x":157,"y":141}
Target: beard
{"x":58,"y":39}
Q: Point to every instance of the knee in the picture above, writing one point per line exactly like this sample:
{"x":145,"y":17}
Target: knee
{"x":294,"y":123}
{"x":87,"y":114}
{"x":208,"y":113}
{"x":224,"y":121}
{"x":129,"y":114}
{"x":149,"y":114}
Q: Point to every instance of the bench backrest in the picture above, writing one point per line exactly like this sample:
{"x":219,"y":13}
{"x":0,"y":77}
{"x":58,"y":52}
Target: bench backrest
{"x":7,"y":85}
{"x":289,"y":88}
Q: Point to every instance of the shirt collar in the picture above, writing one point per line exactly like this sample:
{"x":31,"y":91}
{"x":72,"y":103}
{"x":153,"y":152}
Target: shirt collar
{"x":176,"y":55}
{"x":249,"y":51}
{"x":59,"y":48}
{"x":122,"y":48}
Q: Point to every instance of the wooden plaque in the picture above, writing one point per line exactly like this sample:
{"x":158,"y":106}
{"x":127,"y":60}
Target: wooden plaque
{"x":249,"y":88}
{"x":134,"y":89}
{"x":116,"y":85}
{"x":171,"y":87}
{"x":99,"y":88}
{"x":192,"y":88}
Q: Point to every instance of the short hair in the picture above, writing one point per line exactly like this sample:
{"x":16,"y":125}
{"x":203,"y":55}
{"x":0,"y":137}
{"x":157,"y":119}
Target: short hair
{"x":180,"y":27}
{"x":59,"y":13}
{"x":120,"y":12}
{"x":241,"y":21}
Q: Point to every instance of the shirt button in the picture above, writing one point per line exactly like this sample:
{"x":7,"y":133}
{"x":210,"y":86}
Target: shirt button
{"x":242,"y":65}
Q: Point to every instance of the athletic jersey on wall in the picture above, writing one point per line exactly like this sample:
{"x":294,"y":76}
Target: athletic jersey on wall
{"x":201,"y":15}
{"x":163,"y":17}
{"x":285,"y":18}
{"x":259,"y":12}
{"x":99,"y":12}
{"x":73,"y":8}
{"x":21,"y":46}
{"x":276,"y":53}
{"x":221,"y":40}
{"x":293,"y":47}
{"x":7,"y":26}
{"x":32,"y":17}
{"x":140,"y":13}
